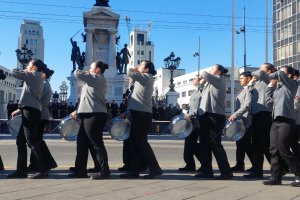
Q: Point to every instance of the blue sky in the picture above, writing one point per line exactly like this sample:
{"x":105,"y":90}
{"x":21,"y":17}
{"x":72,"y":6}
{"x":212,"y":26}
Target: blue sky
{"x":175,"y":26}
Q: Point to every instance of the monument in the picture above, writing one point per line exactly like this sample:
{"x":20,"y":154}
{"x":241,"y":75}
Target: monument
{"x":101,"y":26}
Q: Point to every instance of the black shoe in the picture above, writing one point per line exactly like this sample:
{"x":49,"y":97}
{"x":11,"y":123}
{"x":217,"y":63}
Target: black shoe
{"x":130,"y":175}
{"x":296,"y":182}
{"x":272,"y":182}
{"x":76,"y":175}
{"x":123,"y":169}
{"x":39,"y":175}
{"x":187,"y":169}
{"x":153,"y":174}
{"x":203,"y":175}
{"x":225,"y":177}
{"x":251,"y":169}
{"x":100,"y":176}
{"x":17,"y":174}
{"x":51,"y":166}
{"x":72,"y":169}
{"x":142,"y":169}
{"x":237,"y":168}
{"x":254,"y":175}
{"x":199,"y":170}
{"x":32,"y":168}
{"x":93,"y":170}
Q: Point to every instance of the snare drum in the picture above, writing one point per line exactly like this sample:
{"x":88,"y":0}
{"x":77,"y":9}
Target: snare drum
{"x":119,"y":128}
{"x":69,"y":128}
{"x":235,"y":130}
{"x":14,"y":125}
{"x":180,"y":127}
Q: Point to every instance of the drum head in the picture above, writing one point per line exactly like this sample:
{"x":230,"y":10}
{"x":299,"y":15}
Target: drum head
{"x":14,"y":125}
{"x":181,"y":127}
{"x":235,"y":130}
{"x":69,"y":128}
{"x":119,"y":129}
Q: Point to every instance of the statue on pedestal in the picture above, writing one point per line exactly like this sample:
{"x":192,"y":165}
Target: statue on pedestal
{"x":125,"y":59}
{"x":103,"y":3}
{"x":76,"y":56}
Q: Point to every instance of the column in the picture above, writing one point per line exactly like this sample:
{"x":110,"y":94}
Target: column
{"x":89,"y":51}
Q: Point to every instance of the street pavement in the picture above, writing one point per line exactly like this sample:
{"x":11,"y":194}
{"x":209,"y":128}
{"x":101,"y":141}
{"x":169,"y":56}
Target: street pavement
{"x":171,"y":185}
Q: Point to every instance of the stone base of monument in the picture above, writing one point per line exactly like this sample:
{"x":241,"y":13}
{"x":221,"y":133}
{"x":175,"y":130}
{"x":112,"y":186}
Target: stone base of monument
{"x":172,"y":97}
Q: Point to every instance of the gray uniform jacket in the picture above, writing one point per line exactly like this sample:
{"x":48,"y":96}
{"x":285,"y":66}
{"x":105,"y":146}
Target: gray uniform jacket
{"x":259,"y":102}
{"x":141,"y":97}
{"x":213,"y":94}
{"x":243,"y":106}
{"x":297,"y":105}
{"x":32,"y":88}
{"x":284,"y":95}
{"x":93,"y":91}
{"x":194,"y":105}
{"x":45,"y":99}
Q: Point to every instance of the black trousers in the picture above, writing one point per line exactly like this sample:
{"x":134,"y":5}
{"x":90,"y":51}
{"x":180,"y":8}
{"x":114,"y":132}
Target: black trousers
{"x":50,"y":162}
{"x":211,"y":126}
{"x":126,"y":156}
{"x":282,"y":132}
{"x":191,"y":148}
{"x":261,"y":124}
{"x":295,"y":143}
{"x":244,"y":146}
{"x":28,"y":134}
{"x":91,"y":135}
{"x":140,"y":124}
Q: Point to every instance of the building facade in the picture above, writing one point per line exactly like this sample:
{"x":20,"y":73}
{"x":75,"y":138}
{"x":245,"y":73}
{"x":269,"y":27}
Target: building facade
{"x":286,"y":33}
{"x":184,"y":85}
{"x":7,"y":91}
{"x":31,"y":34}
{"x":140,"y":48}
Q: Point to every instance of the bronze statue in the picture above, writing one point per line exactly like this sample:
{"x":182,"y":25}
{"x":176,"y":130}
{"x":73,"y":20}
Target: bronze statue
{"x":125,"y":59}
{"x":76,"y":56}
{"x":103,"y":3}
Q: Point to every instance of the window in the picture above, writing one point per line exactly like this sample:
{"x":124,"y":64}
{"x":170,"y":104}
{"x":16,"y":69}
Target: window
{"x":142,"y":52}
{"x":35,"y":42}
{"x":178,"y":83}
{"x":183,"y":94}
{"x":149,"y":56}
{"x":191,"y":92}
{"x":33,"y":32}
{"x":138,"y":52}
{"x":140,"y":39}
{"x":37,"y":32}
{"x":31,"y":41}
{"x":138,"y":62}
{"x":29,"y":31}
{"x":184,"y":82}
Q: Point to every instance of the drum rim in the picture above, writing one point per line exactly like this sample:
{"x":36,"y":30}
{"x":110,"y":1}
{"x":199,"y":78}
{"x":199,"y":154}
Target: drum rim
{"x":113,"y":122}
{"x":185,"y":133}
{"x":10,"y":129}
{"x":64,"y":120}
{"x":242,"y":128}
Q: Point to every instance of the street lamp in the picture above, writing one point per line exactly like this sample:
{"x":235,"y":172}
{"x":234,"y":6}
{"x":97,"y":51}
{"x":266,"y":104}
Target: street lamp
{"x":24,"y":55}
{"x":197,"y":54}
{"x":243,"y":30}
{"x":63,"y":91}
{"x":171,"y":64}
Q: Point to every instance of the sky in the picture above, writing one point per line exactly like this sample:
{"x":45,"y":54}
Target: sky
{"x":175,"y":26}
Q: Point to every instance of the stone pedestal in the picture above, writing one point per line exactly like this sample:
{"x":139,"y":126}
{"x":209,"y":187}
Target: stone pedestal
{"x":74,"y":93}
{"x":101,"y":26}
{"x":171,"y":97}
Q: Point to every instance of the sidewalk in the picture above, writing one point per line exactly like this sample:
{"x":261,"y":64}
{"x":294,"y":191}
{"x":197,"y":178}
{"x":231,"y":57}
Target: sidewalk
{"x":171,"y":185}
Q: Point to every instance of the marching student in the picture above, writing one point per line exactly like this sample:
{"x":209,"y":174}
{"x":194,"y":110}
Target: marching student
{"x":140,"y":108}
{"x":93,"y":114}
{"x":261,"y":112}
{"x":30,"y":108}
{"x":242,"y":111}
{"x":283,"y":125}
{"x":212,"y":123}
